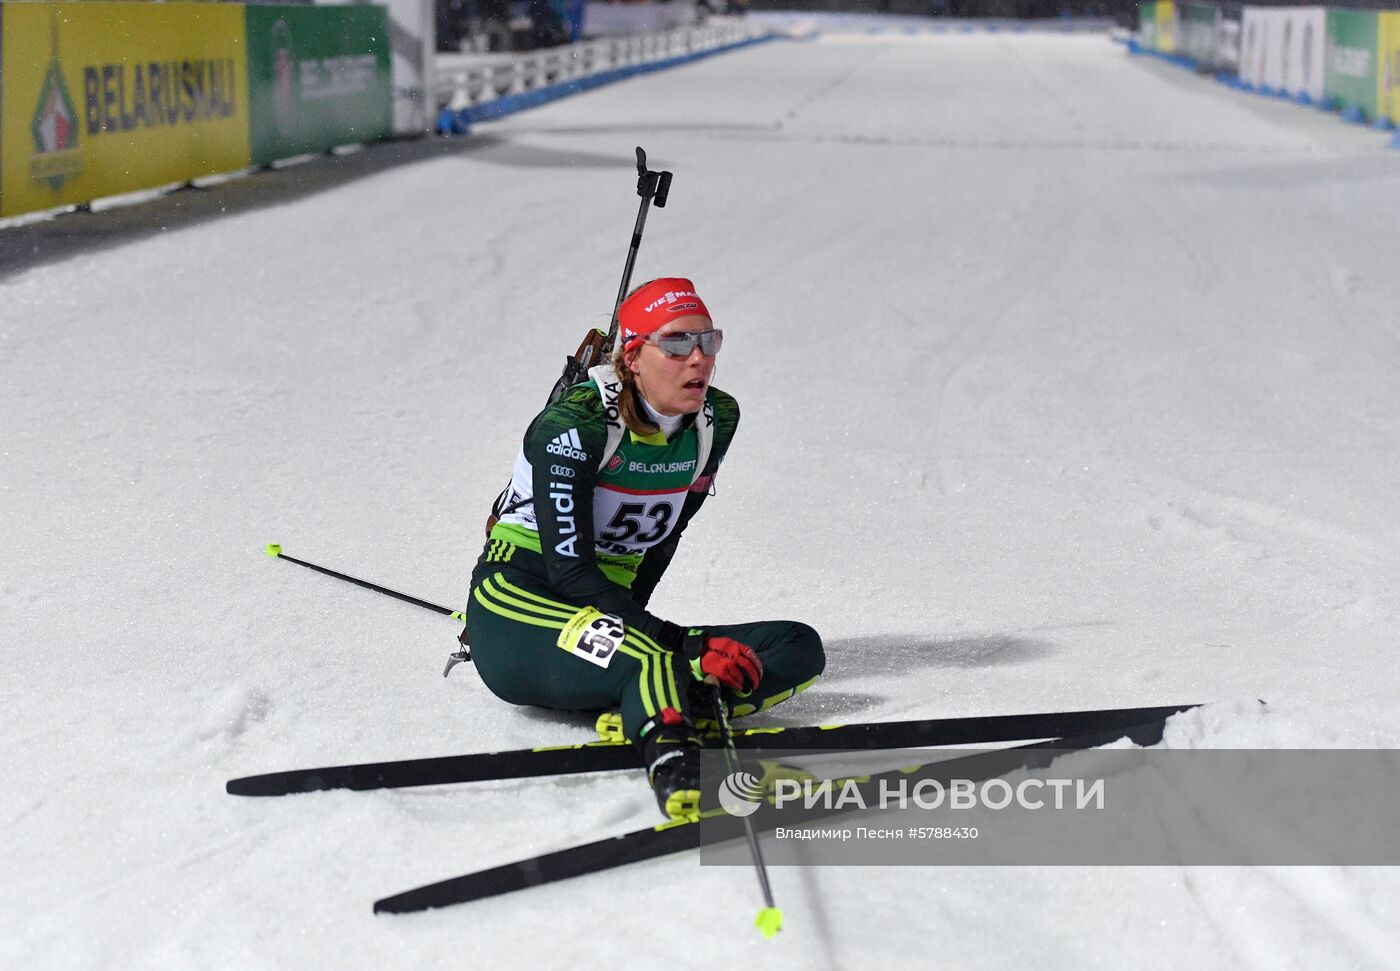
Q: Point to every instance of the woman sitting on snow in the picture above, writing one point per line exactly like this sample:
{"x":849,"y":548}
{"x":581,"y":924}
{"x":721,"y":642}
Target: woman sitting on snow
{"x":606,"y":481}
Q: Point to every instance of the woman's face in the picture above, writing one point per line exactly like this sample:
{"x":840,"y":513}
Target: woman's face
{"x":674,"y":386}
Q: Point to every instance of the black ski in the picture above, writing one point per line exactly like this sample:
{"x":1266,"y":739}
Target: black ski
{"x":674,"y":837}
{"x":605,"y":755}
{"x":441,"y":770}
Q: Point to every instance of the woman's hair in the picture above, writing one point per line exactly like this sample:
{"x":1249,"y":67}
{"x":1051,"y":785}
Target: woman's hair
{"x":629,"y":405}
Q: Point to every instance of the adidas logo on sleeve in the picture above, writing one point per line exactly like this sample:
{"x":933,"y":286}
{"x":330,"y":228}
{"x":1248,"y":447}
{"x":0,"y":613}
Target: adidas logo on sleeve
{"x":568,"y":446}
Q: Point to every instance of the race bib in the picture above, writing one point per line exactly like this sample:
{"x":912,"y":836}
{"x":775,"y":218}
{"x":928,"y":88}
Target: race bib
{"x":593,"y":636}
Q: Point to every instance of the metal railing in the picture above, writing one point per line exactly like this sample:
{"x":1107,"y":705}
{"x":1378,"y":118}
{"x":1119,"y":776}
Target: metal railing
{"x":465,"y":80}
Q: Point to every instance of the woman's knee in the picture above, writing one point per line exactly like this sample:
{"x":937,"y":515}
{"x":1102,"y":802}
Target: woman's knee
{"x":808,"y":653}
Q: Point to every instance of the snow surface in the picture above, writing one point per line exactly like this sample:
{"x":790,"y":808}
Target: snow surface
{"x":1069,"y":380}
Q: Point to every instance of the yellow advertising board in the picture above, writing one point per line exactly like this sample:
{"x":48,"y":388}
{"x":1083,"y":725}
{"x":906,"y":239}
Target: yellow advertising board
{"x":1388,"y":65}
{"x":1166,"y":26}
{"x":102,"y":98}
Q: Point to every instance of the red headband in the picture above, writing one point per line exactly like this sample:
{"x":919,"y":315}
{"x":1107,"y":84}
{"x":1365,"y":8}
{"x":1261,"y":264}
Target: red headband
{"x":653,"y":305}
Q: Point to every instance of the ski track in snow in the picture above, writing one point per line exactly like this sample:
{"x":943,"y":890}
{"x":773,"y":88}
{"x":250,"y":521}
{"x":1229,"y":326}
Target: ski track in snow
{"x":1068,"y":382}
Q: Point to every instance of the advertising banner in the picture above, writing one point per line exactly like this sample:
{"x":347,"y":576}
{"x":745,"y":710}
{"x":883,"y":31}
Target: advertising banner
{"x":1227,"y":52}
{"x":412,"y":29}
{"x":1147,"y":26}
{"x":1388,"y":76}
{"x":1166,"y":26}
{"x":1261,"y":52}
{"x":104,"y":98}
{"x":1351,"y":67}
{"x":1200,"y":24}
{"x":1251,"y":45}
{"x":1271,"y":69}
{"x":317,"y":77}
{"x":4,"y":162}
{"x":1301,"y":51}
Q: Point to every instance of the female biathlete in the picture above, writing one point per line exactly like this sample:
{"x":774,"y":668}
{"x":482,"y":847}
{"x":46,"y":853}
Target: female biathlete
{"x":605,"y":483}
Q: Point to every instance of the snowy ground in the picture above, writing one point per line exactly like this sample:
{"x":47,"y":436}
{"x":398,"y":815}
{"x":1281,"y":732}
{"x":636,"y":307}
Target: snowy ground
{"x":1069,"y":380}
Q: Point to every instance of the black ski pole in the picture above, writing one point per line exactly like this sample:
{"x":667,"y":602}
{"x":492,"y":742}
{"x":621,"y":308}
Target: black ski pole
{"x":274,"y":550}
{"x":770,"y":919}
{"x":652,"y":187}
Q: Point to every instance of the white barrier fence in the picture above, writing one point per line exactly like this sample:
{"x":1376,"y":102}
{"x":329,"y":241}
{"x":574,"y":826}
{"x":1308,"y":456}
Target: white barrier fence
{"x":466,"y":80}
{"x":607,"y":19}
{"x":883,"y":24}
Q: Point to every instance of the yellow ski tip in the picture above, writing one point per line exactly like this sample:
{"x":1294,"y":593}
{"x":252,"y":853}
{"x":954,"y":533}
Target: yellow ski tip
{"x":769,"y":921}
{"x":273,"y":549}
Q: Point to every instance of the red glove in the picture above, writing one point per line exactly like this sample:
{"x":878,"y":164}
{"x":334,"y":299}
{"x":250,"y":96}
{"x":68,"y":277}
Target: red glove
{"x":732,"y":664}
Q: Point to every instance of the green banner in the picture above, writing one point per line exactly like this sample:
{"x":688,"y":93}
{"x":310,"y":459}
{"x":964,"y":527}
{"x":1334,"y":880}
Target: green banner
{"x":1352,"y":47}
{"x":1147,"y":25}
{"x":1200,"y":23}
{"x":317,"y":77}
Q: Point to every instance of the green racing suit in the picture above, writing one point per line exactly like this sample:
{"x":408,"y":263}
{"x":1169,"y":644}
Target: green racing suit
{"x":557,"y":612}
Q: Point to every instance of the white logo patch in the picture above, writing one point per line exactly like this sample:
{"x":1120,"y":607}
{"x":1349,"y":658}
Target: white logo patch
{"x":568,"y":446}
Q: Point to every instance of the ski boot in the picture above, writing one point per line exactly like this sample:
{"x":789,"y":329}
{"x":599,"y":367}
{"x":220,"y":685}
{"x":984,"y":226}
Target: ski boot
{"x":671,"y":752}
{"x":702,"y":699}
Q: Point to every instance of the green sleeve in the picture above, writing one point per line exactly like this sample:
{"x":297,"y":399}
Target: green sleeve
{"x":564,"y":445}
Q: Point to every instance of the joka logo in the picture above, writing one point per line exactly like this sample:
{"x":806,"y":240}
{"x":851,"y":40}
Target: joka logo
{"x":614,"y":463}
{"x":611,"y":389}
{"x":568,"y":446}
{"x":740,"y":794}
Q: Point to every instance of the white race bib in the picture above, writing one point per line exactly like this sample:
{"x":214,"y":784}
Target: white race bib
{"x":593,"y":636}
{"x":625,"y":522}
